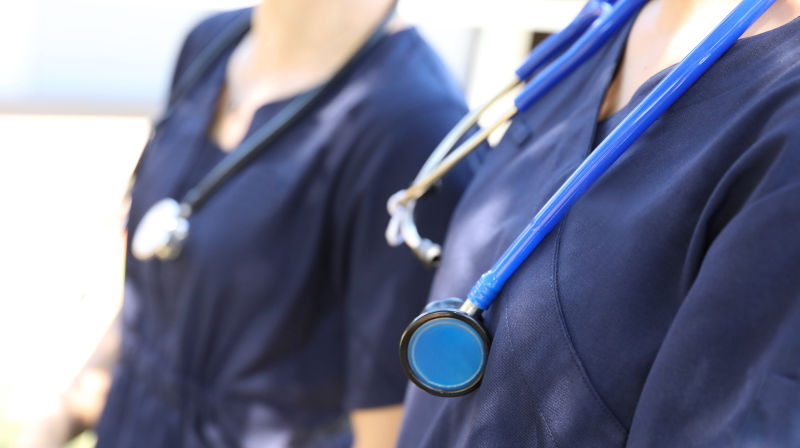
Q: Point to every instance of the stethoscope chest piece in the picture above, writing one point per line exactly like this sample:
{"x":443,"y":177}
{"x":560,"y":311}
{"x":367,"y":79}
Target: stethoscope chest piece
{"x":444,"y":350}
{"x":161,"y":232}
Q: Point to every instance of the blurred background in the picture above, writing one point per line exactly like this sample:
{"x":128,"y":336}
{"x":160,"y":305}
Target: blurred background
{"x":79,"y":82}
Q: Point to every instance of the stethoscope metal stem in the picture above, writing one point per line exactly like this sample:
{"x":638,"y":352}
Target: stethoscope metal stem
{"x":419,"y":188}
{"x":431,"y":173}
{"x":458,"y":131}
{"x":402,"y":228}
{"x":593,"y":26}
{"x":469,"y":308}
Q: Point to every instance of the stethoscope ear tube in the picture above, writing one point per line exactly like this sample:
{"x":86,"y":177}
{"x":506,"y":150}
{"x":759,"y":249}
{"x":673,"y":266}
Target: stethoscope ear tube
{"x":556,"y":43}
{"x":446,"y":155}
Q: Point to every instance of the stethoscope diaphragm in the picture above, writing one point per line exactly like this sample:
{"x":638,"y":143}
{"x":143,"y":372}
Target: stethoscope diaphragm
{"x":444,"y":350}
{"x":161,"y":232}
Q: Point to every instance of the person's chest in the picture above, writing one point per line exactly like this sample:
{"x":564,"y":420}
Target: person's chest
{"x":578,"y":325}
{"x":285,"y":186}
{"x":259,"y":235}
{"x":252,"y":246}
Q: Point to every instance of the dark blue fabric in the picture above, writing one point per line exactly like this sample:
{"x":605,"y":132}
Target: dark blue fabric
{"x":664,"y":311}
{"x":284,"y":310}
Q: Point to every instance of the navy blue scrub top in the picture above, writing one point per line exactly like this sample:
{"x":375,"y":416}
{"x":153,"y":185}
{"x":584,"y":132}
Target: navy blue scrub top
{"x":664,"y":311}
{"x":284,"y":310}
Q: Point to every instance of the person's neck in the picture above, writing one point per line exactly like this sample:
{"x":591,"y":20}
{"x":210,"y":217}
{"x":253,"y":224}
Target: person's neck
{"x":672,"y":28}
{"x":295,"y":44}
{"x":698,"y":17}
{"x":666,"y":30}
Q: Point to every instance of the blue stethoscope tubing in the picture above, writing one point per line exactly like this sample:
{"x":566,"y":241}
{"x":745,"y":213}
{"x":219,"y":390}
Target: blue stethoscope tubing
{"x":445,"y":349}
{"x":485,"y":290}
{"x":610,"y":21}
{"x":557,"y":43}
{"x":567,"y":49}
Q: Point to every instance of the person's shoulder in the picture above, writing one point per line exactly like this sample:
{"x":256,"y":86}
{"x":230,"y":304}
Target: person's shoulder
{"x":773,"y":60}
{"x":769,"y":159}
{"x":408,"y":99}
{"x":404,"y":102}
{"x":203,"y":33}
{"x":769,"y":73}
{"x":779,"y":139}
{"x":408,"y":79}
{"x":210,"y":27}
{"x":777,"y":103}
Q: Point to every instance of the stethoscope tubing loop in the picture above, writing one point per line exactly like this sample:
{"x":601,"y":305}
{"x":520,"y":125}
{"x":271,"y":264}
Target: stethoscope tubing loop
{"x":458,"y":132}
{"x":444,"y":157}
{"x":541,"y":55}
{"x":583,"y":48}
{"x":417,"y":190}
{"x":558,"y":42}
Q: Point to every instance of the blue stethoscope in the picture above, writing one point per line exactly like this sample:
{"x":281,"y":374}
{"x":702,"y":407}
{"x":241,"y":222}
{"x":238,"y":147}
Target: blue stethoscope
{"x":445,"y":349}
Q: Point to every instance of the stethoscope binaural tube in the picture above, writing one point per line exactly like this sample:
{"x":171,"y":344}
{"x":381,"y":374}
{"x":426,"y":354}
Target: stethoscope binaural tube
{"x":428,"y":353}
{"x":591,"y":28}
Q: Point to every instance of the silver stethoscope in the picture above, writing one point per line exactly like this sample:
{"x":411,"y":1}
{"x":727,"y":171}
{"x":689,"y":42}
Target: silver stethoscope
{"x":164,"y":228}
{"x":445,"y":349}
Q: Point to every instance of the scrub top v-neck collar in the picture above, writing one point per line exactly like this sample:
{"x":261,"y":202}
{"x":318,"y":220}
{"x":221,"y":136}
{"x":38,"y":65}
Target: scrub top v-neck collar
{"x":260,"y":115}
{"x":264,"y":112}
{"x":607,"y":124}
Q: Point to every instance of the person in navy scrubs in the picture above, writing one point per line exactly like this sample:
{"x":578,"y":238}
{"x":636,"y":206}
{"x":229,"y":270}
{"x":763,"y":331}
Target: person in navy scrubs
{"x":277,"y":325}
{"x":664,"y":310}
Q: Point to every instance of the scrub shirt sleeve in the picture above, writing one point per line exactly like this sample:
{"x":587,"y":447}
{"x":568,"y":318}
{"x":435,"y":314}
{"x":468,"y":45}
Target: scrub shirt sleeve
{"x":728,"y":372}
{"x":200,"y":36}
{"x":386,"y":287}
{"x":183,"y":57}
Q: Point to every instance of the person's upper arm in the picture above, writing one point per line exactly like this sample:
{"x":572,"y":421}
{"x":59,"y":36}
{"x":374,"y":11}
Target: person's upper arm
{"x":376,"y":427}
